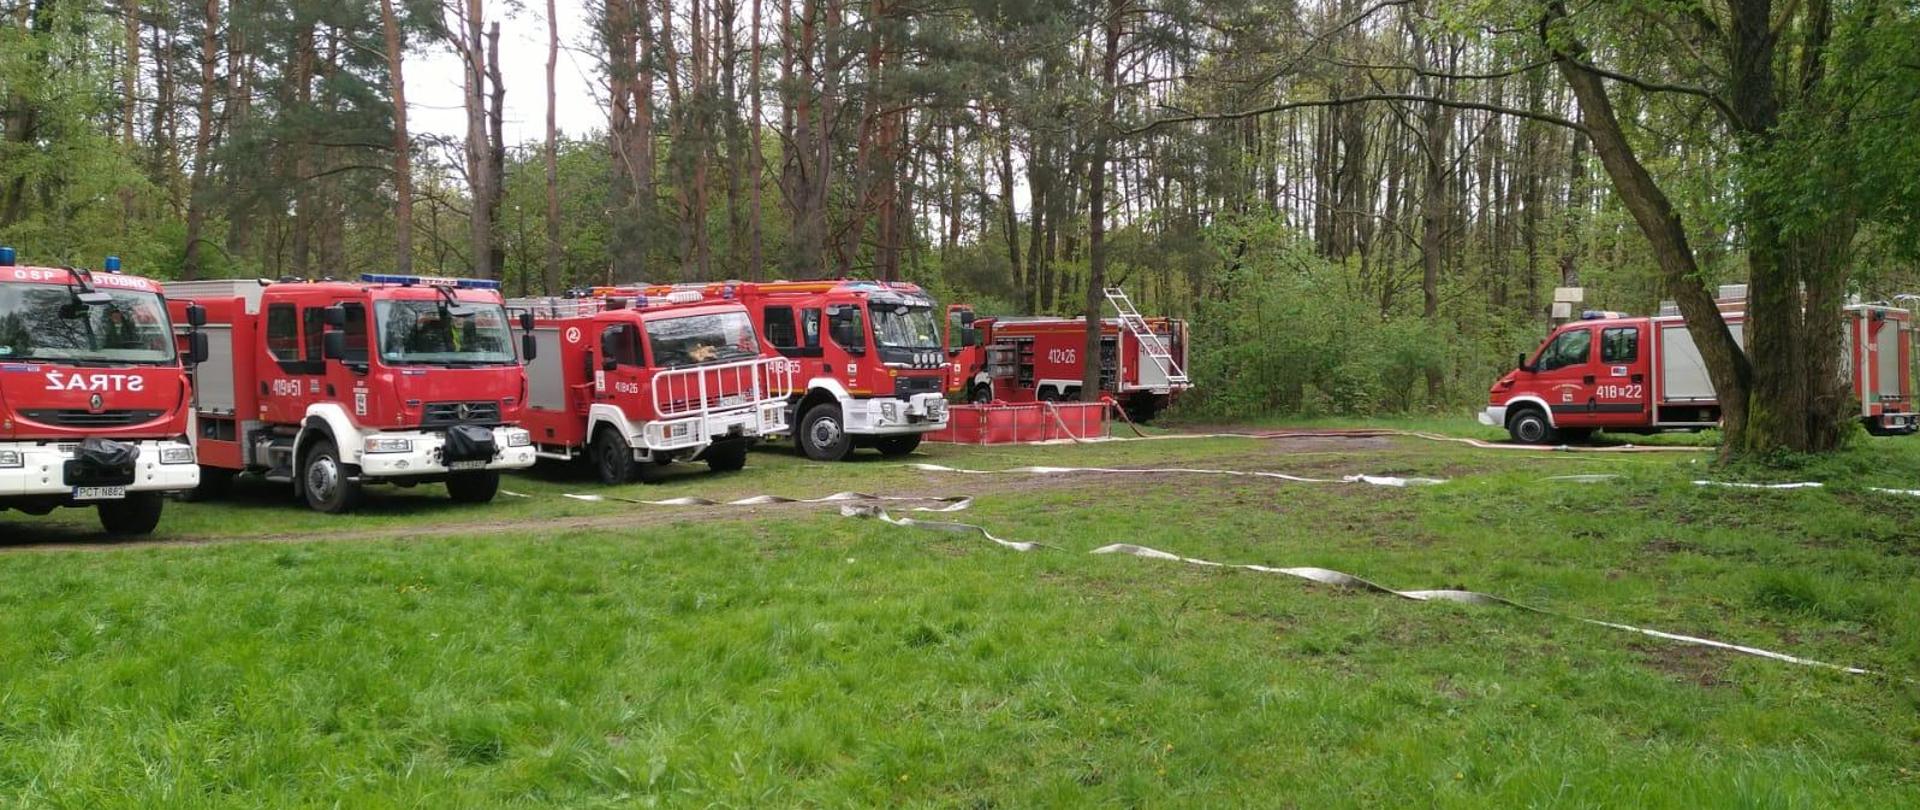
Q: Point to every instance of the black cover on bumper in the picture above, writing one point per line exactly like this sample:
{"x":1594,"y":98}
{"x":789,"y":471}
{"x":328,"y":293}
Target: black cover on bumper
{"x":468,"y":443}
{"x":102,"y":463}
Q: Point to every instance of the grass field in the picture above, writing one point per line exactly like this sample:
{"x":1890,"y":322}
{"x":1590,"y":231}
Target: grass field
{"x":556,"y":652}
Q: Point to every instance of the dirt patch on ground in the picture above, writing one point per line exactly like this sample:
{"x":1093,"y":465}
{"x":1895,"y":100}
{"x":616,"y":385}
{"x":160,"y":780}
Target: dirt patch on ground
{"x":1699,"y":666}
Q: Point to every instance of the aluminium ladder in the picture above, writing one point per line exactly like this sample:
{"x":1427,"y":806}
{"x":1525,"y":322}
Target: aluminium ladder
{"x":1156,"y":348}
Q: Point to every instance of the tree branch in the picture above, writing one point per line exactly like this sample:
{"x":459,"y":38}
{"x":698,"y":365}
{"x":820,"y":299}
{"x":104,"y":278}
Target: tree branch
{"x":1340,"y":102}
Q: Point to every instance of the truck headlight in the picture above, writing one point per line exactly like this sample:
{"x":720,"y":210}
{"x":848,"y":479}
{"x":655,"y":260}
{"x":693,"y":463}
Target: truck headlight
{"x":12,"y":458}
{"x":176,"y":454}
{"x":388,"y":444}
{"x":519,"y":438}
{"x":890,"y":411}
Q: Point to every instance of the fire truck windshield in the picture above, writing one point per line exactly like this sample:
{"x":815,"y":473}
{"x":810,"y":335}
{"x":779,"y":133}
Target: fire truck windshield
{"x":698,"y":339}
{"x":905,"y":327}
{"x":49,"y":323}
{"x":427,"y":333}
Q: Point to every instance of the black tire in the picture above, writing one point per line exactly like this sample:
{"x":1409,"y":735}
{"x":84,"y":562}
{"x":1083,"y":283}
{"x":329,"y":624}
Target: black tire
{"x":612,"y":459}
{"x":823,"y":434}
{"x":1050,"y":395}
{"x":1530,"y":426}
{"x":330,"y":484}
{"x":215,"y":482}
{"x":981,"y":394}
{"x":473,"y":487}
{"x":897,"y":445}
{"x":138,"y":514}
{"x":727,"y":456}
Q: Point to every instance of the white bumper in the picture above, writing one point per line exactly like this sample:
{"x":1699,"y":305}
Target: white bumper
{"x":1494,"y":416}
{"x":768,"y":418}
{"x":887,"y":416}
{"x":512,"y":450}
{"x":42,"y":468}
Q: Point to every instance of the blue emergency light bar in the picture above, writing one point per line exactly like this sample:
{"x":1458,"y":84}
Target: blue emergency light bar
{"x":6,"y":256}
{"x":113,"y":264}
{"x":430,"y":281}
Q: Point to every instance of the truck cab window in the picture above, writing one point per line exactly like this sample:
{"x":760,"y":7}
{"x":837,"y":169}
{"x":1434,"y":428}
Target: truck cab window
{"x":314,"y":320}
{"x":283,"y":333}
{"x":1571,"y":348}
{"x":624,"y":343}
{"x":810,"y":328}
{"x":1620,"y":344}
{"x":780,"y":328}
{"x":849,"y":328}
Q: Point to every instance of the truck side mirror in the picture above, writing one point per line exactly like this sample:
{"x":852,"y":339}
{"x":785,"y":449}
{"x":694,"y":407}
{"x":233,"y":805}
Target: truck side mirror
{"x":196,"y":348}
{"x":528,"y":348}
{"x":1521,"y":363}
{"x":196,"y":316}
{"x":333,"y":345}
{"x":966,"y":318}
{"x":969,"y":336}
{"x":526,"y":322}
{"x":335,"y":316}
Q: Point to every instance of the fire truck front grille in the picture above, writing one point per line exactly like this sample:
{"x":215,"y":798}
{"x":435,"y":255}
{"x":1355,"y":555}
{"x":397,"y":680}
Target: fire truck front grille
{"x":909,"y":386}
{"x":71,"y":417}
{"x":440,"y":414}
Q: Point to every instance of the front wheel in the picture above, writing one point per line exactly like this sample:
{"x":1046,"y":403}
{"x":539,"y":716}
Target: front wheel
{"x":138,"y":514}
{"x":1531,"y":427}
{"x":473,"y":487}
{"x":898,"y":445}
{"x":823,"y":434}
{"x":981,"y":394}
{"x":331,"y":485}
{"x":612,"y":458}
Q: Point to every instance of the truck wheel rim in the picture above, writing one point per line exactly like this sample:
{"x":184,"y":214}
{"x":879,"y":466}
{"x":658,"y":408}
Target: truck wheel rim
{"x":323,"y":475}
{"x":826,"y":431}
{"x":1530,"y":430}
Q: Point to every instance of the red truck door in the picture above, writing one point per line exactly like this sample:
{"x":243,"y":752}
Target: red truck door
{"x":624,"y":383}
{"x":1567,"y":375}
{"x":291,"y":366}
{"x":1621,"y":396}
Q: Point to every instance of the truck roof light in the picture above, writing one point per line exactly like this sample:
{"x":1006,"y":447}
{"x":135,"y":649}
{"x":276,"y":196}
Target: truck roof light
{"x":430,"y":281}
{"x":685,"y":297}
{"x":112,"y":264}
{"x":6,"y":256}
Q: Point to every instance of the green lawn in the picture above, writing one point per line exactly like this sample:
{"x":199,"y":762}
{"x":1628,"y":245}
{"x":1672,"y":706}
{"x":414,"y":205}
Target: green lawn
{"x":550,"y":651}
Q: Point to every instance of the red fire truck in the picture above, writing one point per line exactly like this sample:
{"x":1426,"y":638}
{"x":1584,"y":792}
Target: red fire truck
{"x":1142,"y":360}
{"x":865,"y":359}
{"x":1641,"y":375}
{"x":331,"y":385}
{"x":93,"y":396}
{"x":634,"y":384}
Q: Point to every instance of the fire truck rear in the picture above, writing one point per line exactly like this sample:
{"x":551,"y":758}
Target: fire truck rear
{"x":865,"y":357}
{"x":634,"y":384}
{"x":1142,"y":360}
{"x":1623,"y":374}
{"x":333,"y":385}
{"x":93,"y":396}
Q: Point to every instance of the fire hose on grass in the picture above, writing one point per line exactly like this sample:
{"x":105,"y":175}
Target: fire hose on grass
{"x":869,"y":506}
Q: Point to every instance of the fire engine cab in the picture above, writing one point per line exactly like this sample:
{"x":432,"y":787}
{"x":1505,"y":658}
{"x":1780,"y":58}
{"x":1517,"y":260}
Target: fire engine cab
{"x":1611,"y":372}
{"x":865,"y":358}
{"x":331,"y":385}
{"x":93,"y":396}
{"x":635,"y":383}
{"x":1142,"y":360}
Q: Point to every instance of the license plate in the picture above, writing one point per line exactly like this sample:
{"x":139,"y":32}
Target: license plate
{"x":467,"y":465}
{"x":99,"y":493}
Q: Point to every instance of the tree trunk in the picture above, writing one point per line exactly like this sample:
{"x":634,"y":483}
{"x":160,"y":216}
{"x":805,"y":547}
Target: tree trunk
{"x":496,"y":157}
{"x":479,"y":160}
{"x":130,"y":108}
{"x":550,"y":279}
{"x":1090,"y":389}
{"x":402,"y":144}
{"x":202,"y":141}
